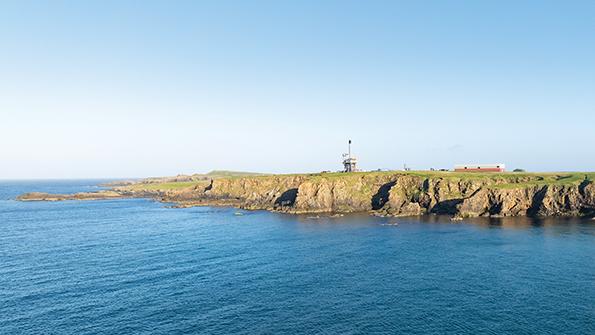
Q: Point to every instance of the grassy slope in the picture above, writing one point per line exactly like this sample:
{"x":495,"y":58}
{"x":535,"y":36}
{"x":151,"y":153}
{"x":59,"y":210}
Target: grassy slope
{"x":505,"y":180}
{"x":154,"y":184}
{"x":232,"y":174}
{"x":562,"y":179}
{"x":164,"y":186}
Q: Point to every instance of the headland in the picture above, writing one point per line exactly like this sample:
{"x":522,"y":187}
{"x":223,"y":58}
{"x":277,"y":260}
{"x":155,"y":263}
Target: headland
{"x":387,"y":193}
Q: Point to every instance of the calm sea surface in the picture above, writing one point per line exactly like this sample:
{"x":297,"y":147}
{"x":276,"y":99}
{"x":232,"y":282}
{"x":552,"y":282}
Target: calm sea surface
{"x":138,"y":267}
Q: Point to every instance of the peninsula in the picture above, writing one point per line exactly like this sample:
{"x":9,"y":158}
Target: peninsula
{"x":392,"y":193}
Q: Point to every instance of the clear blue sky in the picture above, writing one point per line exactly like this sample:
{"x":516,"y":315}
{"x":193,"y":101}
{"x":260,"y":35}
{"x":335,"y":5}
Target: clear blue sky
{"x":144,"y":88}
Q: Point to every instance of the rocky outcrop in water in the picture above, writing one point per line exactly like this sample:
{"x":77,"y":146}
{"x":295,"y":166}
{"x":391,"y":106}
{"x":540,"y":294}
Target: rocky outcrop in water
{"x":100,"y":195}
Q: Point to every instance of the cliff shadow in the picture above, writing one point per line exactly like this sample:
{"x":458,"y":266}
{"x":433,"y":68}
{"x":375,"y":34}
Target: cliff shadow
{"x":381,"y":197}
{"x":588,"y":212}
{"x":287,"y":198}
{"x":446,"y":207}
{"x":583,"y":185}
{"x":536,"y":202}
{"x":495,"y":209}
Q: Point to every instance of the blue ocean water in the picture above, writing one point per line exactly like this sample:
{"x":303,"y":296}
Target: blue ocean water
{"x":139,"y":267}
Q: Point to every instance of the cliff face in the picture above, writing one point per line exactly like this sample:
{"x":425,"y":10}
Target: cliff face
{"x":395,"y":195}
{"x":546,"y":200}
{"x":272,"y":192}
{"x":391,"y":194}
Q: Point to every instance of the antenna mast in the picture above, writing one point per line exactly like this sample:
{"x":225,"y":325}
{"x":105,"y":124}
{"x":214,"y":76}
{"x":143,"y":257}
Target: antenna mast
{"x":349,"y":150}
{"x":349,"y":163}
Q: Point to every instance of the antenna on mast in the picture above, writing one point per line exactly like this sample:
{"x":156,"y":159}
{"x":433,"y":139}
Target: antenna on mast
{"x":349,"y":149}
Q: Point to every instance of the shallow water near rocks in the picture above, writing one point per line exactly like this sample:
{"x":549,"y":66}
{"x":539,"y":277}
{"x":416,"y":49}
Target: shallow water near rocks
{"x":135,"y":266}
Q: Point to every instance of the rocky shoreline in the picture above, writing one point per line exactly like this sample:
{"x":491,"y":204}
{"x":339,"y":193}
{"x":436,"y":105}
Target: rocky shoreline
{"x":382,"y":194}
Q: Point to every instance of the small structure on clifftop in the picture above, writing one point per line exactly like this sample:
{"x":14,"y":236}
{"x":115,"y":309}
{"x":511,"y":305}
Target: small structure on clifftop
{"x":349,"y":162}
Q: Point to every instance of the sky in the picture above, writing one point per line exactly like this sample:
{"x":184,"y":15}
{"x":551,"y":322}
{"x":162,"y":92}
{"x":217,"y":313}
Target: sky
{"x":118,"y":89}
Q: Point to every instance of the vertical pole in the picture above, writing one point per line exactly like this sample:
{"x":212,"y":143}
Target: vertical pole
{"x":349,"y":148}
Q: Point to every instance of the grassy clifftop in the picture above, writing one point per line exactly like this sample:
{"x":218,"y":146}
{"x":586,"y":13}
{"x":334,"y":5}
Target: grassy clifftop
{"x":185,"y":181}
{"x":506,"y":180}
{"x":232,"y":174}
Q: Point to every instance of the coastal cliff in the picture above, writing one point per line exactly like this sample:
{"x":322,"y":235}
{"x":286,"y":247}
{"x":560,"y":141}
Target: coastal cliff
{"x":379,"y":193}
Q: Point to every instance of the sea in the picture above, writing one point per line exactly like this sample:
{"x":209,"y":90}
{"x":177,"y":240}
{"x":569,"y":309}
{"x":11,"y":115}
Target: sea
{"x":137,"y":266}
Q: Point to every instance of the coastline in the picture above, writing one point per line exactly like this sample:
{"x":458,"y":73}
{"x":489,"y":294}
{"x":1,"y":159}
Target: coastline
{"x":391,"y":194}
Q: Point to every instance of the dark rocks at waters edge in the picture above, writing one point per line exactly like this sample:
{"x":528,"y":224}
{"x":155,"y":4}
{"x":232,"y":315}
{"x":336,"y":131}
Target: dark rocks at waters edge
{"x":380,"y":193}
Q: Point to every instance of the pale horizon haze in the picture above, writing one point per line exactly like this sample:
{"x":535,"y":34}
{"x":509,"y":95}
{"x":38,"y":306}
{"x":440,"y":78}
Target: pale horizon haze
{"x":122,"y":89}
